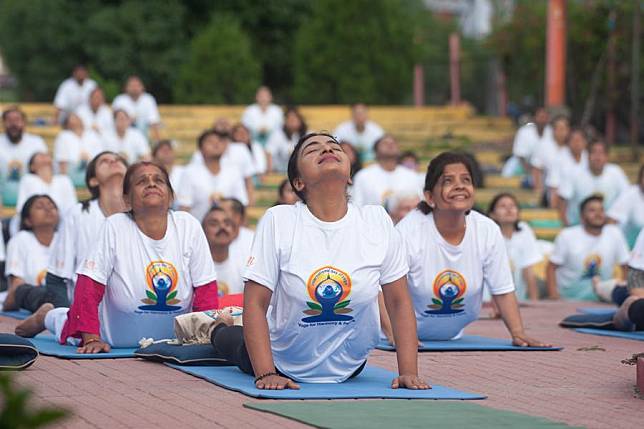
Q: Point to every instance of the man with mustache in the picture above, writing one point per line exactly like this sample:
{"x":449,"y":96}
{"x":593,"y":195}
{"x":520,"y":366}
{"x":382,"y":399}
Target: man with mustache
{"x":219,"y":229}
{"x":16,"y":146}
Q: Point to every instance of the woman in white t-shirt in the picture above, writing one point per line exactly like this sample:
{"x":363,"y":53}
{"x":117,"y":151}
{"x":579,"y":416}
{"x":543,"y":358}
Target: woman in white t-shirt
{"x":453,"y":254}
{"x":28,"y":252}
{"x":520,"y":243}
{"x":261,"y":161}
{"x":628,"y":209}
{"x":283,"y":140}
{"x":149,"y":265}
{"x":319,"y":264}
{"x":127,"y":140}
{"x":74,"y":147}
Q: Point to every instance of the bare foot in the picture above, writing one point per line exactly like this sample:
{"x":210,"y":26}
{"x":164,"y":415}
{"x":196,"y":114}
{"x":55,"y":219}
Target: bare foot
{"x":34,"y":324}
{"x":10,"y":299}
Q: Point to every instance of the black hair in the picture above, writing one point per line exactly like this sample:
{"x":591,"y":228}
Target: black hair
{"x":381,"y":139}
{"x":32,"y":159}
{"x":210,"y":132}
{"x":116,"y":111}
{"x":435,"y":171}
{"x":282,"y":187}
{"x":131,"y":171}
{"x":213,"y":208}
{"x":577,"y":130}
{"x":161,"y":144}
{"x":495,"y":201}
{"x":598,"y":141}
{"x":558,"y":118}
{"x":590,"y":199}
{"x":292,"y":171}
{"x":237,"y":206}
{"x":303,"y":127}
{"x":26,"y":209}
{"x":90,"y":173}
{"x":357,"y":164}
{"x":239,"y":126}
{"x":12,"y":109}
{"x":408,"y":154}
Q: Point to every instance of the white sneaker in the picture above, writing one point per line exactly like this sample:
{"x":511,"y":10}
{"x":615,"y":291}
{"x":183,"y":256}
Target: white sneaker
{"x":197,"y":327}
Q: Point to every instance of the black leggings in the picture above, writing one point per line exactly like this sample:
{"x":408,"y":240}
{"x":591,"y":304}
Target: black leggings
{"x":228,"y":342}
{"x":32,"y":297}
{"x":636,"y":314}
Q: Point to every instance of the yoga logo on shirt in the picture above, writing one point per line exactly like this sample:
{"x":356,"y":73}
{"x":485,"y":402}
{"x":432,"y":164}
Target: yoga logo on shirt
{"x":40,"y":279}
{"x":592,"y":264}
{"x":449,"y":288}
{"x":328,"y":288}
{"x":162,"y":281}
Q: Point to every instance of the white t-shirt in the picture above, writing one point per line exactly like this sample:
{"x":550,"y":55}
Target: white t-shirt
{"x":363,"y":141}
{"x":610,"y":184}
{"x":132,"y":146}
{"x":17,"y":156}
{"x":3,"y":256}
{"x":280,"y":147}
{"x":71,"y":148}
{"x":175,"y":175}
{"x":527,"y":140}
{"x":27,"y":258}
{"x":236,"y":155}
{"x":564,"y":167}
{"x":61,"y":190}
{"x":325,"y":278}
{"x":230,"y":276}
{"x":147,"y":282}
{"x":373,"y":184}
{"x":637,"y":255}
{"x":523,"y":251}
{"x":101,"y":121}
{"x":262,"y":123}
{"x":628,"y":211}
{"x":199,"y":188}
{"x":260,"y":161}
{"x":446,"y":282}
{"x":70,"y":95}
{"x":78,"y":232}
{"x":241,"y":246}
{"x":143,"y":111}
{"x":580,"y":256}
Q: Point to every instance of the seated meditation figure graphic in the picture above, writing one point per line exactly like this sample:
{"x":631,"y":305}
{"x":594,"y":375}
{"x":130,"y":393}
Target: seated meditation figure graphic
{"x":328,"y":294}
{"x":450,"y":287}
{"x":161,"y":292}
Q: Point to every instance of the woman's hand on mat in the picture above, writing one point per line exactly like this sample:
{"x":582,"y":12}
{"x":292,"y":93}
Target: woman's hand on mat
{"x":522,"y":340}
{"x":413,"y":382}
{"x":94,"y":347}
{"x":276,"y":382}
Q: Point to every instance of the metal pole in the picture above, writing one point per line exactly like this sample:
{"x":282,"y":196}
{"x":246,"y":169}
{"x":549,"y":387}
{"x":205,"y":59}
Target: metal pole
{"x":556,"y":54}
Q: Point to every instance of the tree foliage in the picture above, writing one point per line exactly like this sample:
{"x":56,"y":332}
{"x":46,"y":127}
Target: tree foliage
{"x":220,"y":67}
{"x":358,"y":50}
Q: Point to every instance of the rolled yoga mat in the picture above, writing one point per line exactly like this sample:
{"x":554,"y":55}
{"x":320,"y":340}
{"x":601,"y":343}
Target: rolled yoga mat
{"x":469,"y":343}
{"x":372,"y":382}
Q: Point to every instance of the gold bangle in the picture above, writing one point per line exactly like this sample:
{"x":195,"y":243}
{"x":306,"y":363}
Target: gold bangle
{"x":91,"y":340}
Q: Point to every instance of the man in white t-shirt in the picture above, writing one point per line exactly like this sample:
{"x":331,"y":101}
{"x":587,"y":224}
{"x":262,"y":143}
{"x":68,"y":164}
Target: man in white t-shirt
{"x":628,"y":209}
{"x":602,"y":178}
{"x":263,"y":118}
{"x":16,"y":146}
{"x":547,"y":155}
{"x":374,"y":184}
{"x":584,"y":251}
{"x":219,"y":226}
{"x":360,"y":132}
{"x":242,"y":235}
{"x":72,"y":93}
{"x":204,"y":184}
{"x":141,"y":105}
{"x":96,"y":115}
{"x":526,"y":141}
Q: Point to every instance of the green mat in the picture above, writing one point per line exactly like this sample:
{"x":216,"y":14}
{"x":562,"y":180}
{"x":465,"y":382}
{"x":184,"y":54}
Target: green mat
{"x":400,"y":413}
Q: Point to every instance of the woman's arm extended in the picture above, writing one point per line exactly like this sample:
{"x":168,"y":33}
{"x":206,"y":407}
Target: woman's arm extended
{"x":509,"y":309}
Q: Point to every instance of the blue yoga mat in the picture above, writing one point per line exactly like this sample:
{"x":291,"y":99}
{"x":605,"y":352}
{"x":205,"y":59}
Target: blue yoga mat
{"x":469,"y":343}
{"x":373,"y":382}
{"x":21,"y":314}
{"x":47,"y":345}
{"x":636,"y":335}
{"x":602,"y":311}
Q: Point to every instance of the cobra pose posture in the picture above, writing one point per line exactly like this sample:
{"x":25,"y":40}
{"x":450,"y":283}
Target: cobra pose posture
{"x":320,"y":264}
{"x":149,"y":265}
{"x":453,"y":253}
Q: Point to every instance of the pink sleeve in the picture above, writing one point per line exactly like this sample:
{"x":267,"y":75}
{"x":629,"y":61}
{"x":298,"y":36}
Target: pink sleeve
{"x":83,"y":314}
{"x":206,"y":297}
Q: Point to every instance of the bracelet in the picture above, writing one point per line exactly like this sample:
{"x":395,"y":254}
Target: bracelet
{"x":91,"y":340}
{"x":263,"y":376}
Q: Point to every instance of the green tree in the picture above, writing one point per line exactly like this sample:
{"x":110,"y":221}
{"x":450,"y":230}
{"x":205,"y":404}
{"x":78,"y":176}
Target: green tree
{"x":220,"y":67}
{"x":41,"y":41}
{"x":359,"y":50}
{"x":138,"y":37}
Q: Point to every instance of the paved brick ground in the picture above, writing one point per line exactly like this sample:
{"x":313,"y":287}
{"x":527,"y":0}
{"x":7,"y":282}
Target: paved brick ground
{"x":584,"y":385}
